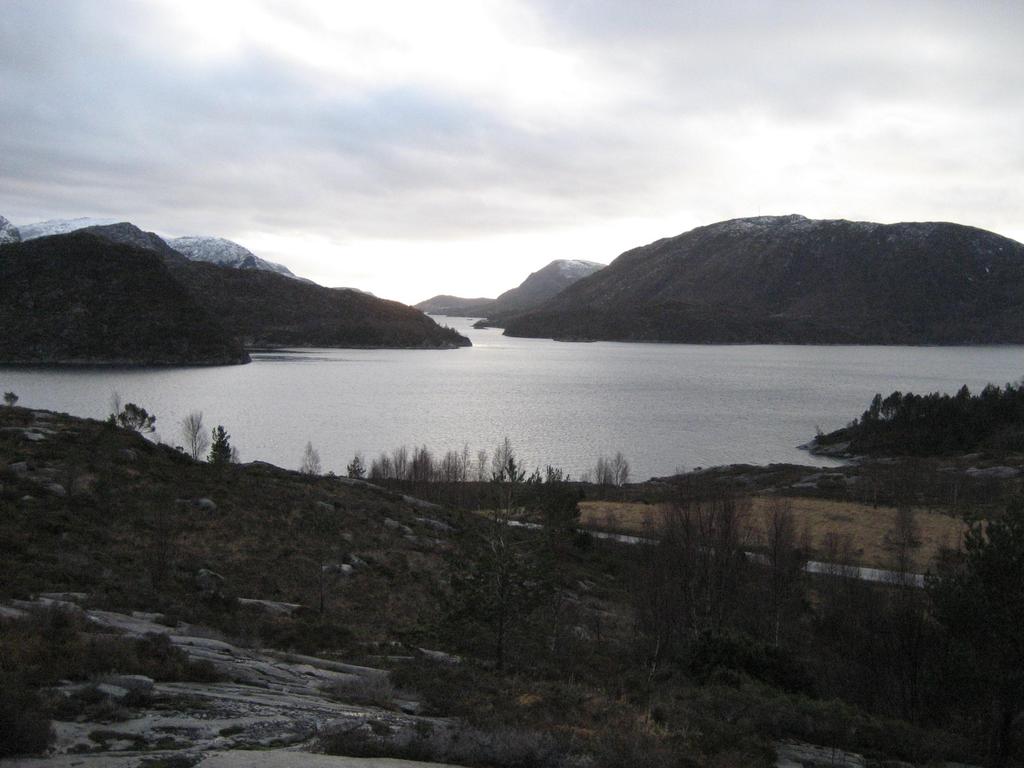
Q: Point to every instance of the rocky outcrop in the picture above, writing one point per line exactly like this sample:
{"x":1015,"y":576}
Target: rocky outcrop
{"x":263,"y":701}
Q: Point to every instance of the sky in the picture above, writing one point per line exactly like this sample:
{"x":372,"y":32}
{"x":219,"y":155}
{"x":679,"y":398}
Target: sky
{"x":412,"y":148}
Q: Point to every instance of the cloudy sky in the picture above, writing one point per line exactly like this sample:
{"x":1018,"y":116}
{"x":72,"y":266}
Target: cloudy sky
{"x":412,"y":148}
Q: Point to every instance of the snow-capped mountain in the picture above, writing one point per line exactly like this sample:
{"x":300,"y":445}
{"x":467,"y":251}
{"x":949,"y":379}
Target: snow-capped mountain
{"x":576,"y":269}
{"x":60,"y":226}
{"x":8,"y":232}
{"x":226,"y":253}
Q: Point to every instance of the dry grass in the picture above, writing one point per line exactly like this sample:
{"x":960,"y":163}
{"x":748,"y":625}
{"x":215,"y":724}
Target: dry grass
{"x":867,"y":526}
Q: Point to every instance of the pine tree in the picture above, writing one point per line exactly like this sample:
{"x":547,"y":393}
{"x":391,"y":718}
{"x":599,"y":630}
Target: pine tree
{"x":220,"y":448}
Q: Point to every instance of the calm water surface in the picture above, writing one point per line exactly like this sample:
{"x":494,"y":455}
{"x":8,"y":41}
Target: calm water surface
{"x":664,"y":406}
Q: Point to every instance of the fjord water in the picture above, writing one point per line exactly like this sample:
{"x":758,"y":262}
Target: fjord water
{"x":665,"y":406}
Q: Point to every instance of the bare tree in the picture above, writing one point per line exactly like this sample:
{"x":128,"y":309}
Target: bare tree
{"x":310,"y":461}
{"x":196,"y":440}
{"x":481,"y":465}
{"x":400,"y":463}
{"x":421,"y":469}
{"x":503,"y":453}
{"x":689,"y":582}
{"x":450,"y":470}
{"x":381,"y":469}
{"x":902,"y":540}
{"x":620,"y":470}
{"x":786,"y":561}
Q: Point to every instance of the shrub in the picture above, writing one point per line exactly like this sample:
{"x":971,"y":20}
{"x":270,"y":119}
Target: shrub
{"x":713,"y":652}
{"x":375,"y":691}
{"x":24,"y":723}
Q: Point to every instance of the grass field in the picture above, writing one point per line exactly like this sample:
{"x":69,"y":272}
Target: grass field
{"x":865,"y":525}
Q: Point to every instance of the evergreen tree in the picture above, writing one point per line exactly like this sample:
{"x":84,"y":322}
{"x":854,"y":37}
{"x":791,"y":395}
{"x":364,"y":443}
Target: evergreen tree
{"x":356,"y":469}
{"x":135,"y":418}
{"x":220,"y":447}
{"x":981,"y":603}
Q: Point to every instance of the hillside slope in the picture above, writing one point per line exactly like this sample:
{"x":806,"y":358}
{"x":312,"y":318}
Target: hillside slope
{"x":789,"y":279}
{"x":81,"y":299}
{"x":537,"y":288}
{"x":268,"y":309}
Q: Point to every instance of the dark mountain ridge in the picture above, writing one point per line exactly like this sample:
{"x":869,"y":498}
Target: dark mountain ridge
{"x":113,"y":294}
{"x":789,"y":279}
{"x":267,"y":309}
{"x":80,"y":299}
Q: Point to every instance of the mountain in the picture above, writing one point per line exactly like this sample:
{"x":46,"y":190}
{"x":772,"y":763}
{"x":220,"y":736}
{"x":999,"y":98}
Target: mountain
{"x":226,"y":253}
{"x":542,"y":285}
{"x":789,"y":279}
{"x":129,"y":234}
{"x":537,"y":288}
{"x":81,"y":299}
{"x":215,"y":250}
{"x":60,"y":226}
{"x":8,"y":232}
{"x":128,"y":281}
{"x":455,"y":306}
{"x":267,"y":309}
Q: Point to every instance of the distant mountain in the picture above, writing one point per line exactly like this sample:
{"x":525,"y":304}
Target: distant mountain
{"x":541,"y":286}
{"x":455,"y":306}
{"x":226,"y":253}
{"x":789,"y":279}
{"x":215,"y":250}
{"x":537,"y":288}
{"x":8,"y":232}
{"x":81,"y":299}
{"x":60,"y":226}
